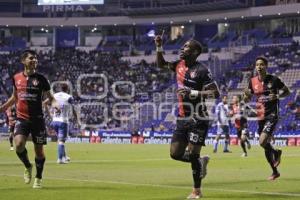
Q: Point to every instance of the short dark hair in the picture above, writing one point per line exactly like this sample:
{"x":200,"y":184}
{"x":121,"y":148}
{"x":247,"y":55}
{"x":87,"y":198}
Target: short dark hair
{"x":264,"y":59}
{"x":26,"y":52}
{"x":197,"y":45}
{"x":64,"y":87}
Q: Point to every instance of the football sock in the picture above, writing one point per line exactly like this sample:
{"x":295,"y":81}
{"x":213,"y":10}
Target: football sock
{"x":61,"y":150}
{"x":215,"y":145}
{"x":39,"y":164}
{"x":226,"y":145}
{"x":270,"y":157}
{"x":23,"y":156}
{"x":196,"y":169}
{"x":11,"y":141}
{"x":243,"y":146}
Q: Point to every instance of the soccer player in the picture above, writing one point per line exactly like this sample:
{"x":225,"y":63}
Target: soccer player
{"x":11,"y":121}
{"x":222,"y":111}
{"x":240,"y":123}
{"x":29,"y":87}
{"x":195,"y":84}
{"x":268,"y":89}
{"x":60,"y":122}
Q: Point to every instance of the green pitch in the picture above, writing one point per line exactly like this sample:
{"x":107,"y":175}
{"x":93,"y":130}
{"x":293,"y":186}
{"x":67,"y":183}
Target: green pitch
{"x":145,"y":172}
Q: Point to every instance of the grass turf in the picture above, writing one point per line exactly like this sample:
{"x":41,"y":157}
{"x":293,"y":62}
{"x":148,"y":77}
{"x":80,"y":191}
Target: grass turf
{"x":145,"y":172}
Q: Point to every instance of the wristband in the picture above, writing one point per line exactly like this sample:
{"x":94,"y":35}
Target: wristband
{"x":194,"y":93}
{"x":159,"y":49}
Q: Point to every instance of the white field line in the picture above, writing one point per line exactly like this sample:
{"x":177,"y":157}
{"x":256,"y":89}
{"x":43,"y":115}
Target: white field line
{"x":165,"y":186}
{"x":97,"y":161}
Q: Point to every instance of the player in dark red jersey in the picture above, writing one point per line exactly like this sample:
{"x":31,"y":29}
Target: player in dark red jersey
{"x":268,"y":89}
{"x":29,"y":88}
{"x":11,"y":117}
{"x":194,"y":83}
{"x":240,"y":122}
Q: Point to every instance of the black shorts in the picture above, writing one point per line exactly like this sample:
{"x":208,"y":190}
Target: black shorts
{"x":191,"y":131}
{"x":267,"y":126}
{"x":35,"y":127}
{"x":240,"y":132}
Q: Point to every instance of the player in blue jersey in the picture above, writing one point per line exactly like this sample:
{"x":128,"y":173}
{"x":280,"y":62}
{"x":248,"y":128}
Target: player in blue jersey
{"x":223,"y":118}
{"x":60,"y":121}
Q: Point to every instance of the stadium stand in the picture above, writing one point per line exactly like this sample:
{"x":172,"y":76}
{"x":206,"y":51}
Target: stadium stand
{"x":76,"y":53}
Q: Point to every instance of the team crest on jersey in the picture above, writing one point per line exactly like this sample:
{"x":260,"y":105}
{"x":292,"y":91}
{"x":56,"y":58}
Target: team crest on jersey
{"x":193,"y":74}
{"x":35,"y":82}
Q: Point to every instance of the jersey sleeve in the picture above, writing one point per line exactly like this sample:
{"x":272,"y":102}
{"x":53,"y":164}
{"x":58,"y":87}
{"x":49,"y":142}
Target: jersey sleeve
{"x":14,"y":82}
{"x":250,"y":86}
{"x":172,"y":65}
{"x":279,"y":83}
{"x":71,"y":100}
{"x":206,"y":77}
{"x":45,"y":84}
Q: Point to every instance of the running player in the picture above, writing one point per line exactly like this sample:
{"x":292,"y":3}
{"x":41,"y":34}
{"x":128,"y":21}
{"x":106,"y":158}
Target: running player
{"x":268,"y":89}
{"x":11,"y":121}
{"x":60,"y":122}
{"x":195,"y":84}
{"x":29,"y":87}
{"x":222,"y":112}
{"x":240,"y":123}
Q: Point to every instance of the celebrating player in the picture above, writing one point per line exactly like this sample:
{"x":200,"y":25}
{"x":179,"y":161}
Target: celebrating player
{"x":29,"y":88}
{"x":195,"y":84}
{"x":268,"y":89}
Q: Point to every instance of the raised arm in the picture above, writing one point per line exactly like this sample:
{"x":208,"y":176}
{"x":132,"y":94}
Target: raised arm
{"x":161,"y":63}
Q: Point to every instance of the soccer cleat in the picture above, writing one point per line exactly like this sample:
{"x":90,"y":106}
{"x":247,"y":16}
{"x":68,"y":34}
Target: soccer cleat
{"x":196,"y":194}
{"x":277,"y":158}
{"x":204,"y":161}
{"x":227,"y":151}
{"x":273,"y":176}
{"x":68,"y":159}
{"x":37,"y":183}
{"x":27,"y":175}
{"x":11,"y":149}
{"x":215,"y":151}
{"x":244,"y":155}
{"x":62,"y":161}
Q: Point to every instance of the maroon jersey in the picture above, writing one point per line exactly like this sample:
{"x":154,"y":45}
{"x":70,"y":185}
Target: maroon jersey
{"x":29,"y":91}
{"x":195,"y":77}
{"x":239,"y":119}
{"x":266,"y":108}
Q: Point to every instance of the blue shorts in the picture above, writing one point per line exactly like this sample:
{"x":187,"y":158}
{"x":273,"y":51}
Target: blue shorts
{"x":61,"y":129}
{"x":223,"y":129}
